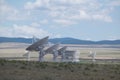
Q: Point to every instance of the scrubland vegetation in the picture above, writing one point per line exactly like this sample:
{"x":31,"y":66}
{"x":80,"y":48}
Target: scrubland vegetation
{"x":23,"y":70}
{"x":14,"y":69}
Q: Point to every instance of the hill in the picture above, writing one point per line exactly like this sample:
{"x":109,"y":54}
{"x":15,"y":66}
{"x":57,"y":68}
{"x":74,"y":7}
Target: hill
{"x":70,"y":41}
{"x":61,"y":40}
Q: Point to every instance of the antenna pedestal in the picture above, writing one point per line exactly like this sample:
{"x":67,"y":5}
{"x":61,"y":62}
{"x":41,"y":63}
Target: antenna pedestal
{"x":55,"y":54}
{"x":63,"y":56}
{"x":41,"y":54}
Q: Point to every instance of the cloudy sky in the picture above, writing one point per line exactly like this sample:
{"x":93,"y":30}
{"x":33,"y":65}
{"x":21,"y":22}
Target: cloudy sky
{"x":81,"y":19}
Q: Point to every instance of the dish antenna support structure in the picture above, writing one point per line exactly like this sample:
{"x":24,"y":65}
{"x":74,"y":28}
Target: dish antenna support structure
{"x":76,"y":56}
{"x":53,"y":50}
{"x":39,"y":46}
{"x":92,"y":55}
{"x":61,"y":52}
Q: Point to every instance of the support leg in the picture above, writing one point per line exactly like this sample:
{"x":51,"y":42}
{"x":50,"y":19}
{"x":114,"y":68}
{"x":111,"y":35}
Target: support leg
{"x":55,"y":54}
{"x":41,"y":56}
{"x":93,"y":57}
{"x":28,"y":56}
{"x":63,"y":56}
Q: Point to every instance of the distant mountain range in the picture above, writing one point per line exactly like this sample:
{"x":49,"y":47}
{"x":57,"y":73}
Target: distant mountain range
{"x":60,"y":40}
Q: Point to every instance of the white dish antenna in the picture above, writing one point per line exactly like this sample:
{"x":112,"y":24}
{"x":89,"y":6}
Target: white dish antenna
{"x":53,"y":50}
{"x":92,"y":55}
{"x":38,"y":46}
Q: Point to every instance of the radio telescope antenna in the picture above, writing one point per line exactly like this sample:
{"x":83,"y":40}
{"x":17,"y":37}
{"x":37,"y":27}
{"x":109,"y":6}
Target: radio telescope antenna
{"x":53,"y":50}
{"x":61,"y":52}
{"x":92,"y":55}
{"x":38,"y":46}
{"x":76,"y":56}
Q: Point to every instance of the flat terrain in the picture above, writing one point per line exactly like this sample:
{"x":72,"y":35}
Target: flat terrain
{"x":17,"y":50}
{"x":23,"y":70}
{"x":14,"y":66}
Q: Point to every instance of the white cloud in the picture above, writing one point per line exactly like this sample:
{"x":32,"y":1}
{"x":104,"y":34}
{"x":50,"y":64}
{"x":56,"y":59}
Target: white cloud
{"x":45,"y":21}
{"x":5,"y":31}
{"x":64,"y":11}
{"x":113,"y":37}
{"x":84,"y":15}
{"x":37,"y":4}
{"x":115,"y":3}
{"x":35,"y":24}
{"x":10,"y":13}
{"x":75,"y":9}
{"x":6,"y":10}
{"x":64,"y":22}
{"x":56,"y":36}
{"x":26,"y":31}
{"x":23,"y":31}
{"x":71,"y":1}
{"x":102,"y":17}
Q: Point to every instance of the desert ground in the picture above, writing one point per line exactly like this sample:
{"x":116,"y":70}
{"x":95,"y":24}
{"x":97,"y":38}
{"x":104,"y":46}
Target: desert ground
{"x":15,"y":51}
{"x":13,"y":66}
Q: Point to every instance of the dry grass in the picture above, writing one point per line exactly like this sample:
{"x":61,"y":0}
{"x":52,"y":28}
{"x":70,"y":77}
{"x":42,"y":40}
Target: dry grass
{"x":22,"y":70}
